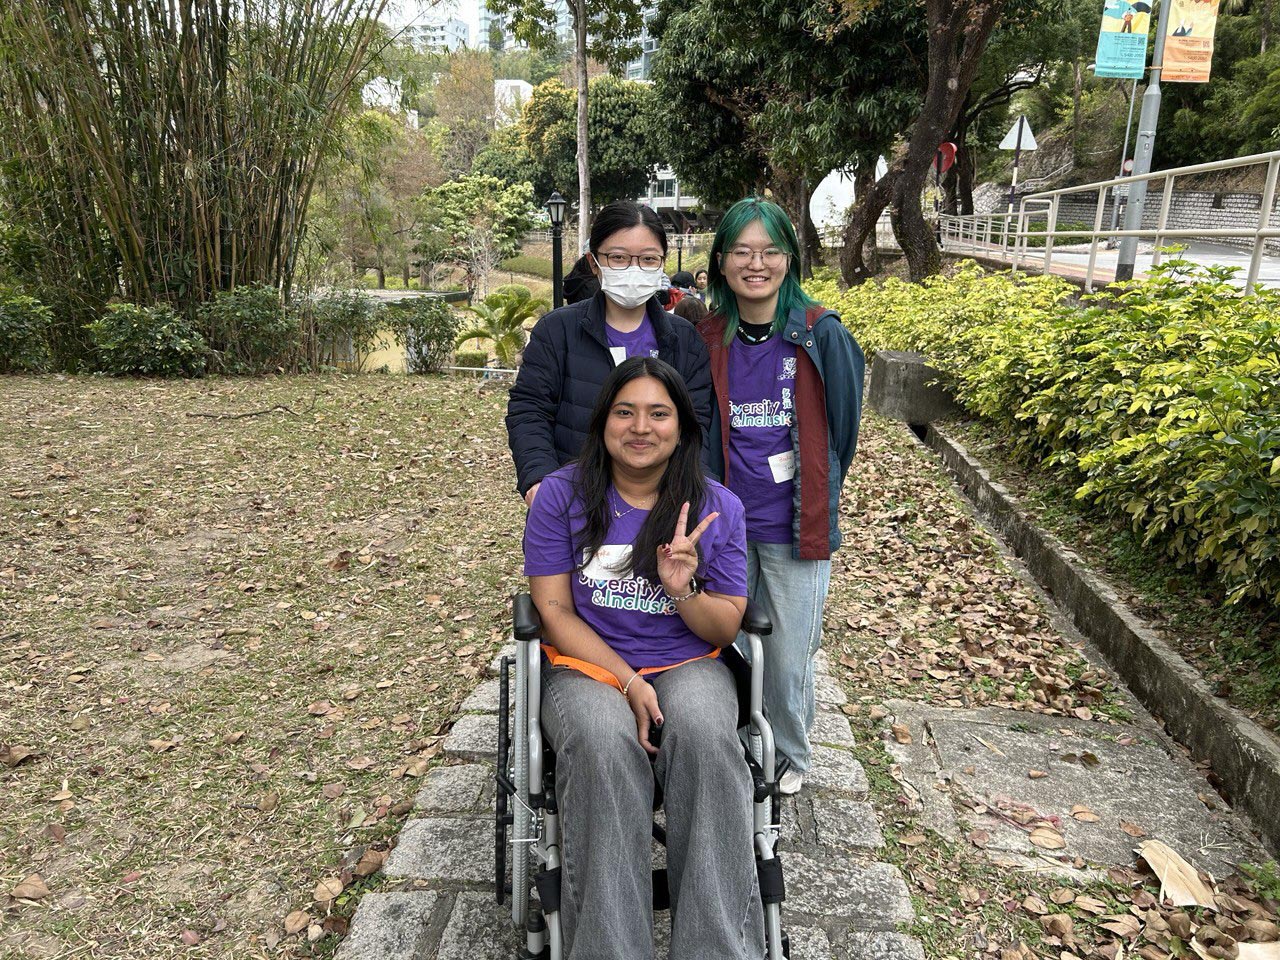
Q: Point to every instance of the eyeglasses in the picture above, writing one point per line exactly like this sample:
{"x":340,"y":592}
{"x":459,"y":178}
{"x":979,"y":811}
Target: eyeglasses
{"x":770,"y":256}
{"x":620,"y":261}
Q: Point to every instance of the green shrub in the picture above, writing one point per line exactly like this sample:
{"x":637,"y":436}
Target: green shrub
{"x":502,"y":318}
{"x":249,"y":330}
{"x":1161,"y":396}
{"x":470,"y":358}
{"x":347,"y":325}
{"x":428,"y":328}
{"x":24,"y":334}
{"x":147,"y":341}
{"x":533,"y":266}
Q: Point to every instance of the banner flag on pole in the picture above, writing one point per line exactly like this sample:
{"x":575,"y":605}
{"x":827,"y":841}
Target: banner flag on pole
{"x":1188,"y":46}
{"x":1122,"y":40}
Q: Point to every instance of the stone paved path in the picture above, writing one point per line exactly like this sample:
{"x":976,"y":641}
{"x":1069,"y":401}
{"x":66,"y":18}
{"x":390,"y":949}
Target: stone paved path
{"x":842,"y":904}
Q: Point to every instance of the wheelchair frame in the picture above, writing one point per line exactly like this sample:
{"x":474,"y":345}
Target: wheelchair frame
{"x":526,"y":814}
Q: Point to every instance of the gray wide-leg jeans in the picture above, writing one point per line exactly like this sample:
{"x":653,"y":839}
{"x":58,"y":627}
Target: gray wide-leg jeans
{"x":604,"y":785}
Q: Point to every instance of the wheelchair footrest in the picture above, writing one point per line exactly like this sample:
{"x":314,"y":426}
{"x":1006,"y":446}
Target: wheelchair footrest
{"x":548,"y":884}
{"x":772,"y":888}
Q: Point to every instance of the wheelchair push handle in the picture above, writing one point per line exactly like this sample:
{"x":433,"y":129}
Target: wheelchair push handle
{"x":756,"y":621}
{"x":528,"y":625}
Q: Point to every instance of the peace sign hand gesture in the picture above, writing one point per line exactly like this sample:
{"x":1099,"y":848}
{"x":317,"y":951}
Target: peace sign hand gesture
{"x":678,"y":560}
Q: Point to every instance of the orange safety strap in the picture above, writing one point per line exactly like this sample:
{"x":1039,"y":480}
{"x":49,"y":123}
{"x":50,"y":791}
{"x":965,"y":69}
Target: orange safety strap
{"x":604,"y":676}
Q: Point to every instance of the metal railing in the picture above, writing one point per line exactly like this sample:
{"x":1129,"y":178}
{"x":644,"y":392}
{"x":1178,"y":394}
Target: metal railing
{"x":992,"y":233}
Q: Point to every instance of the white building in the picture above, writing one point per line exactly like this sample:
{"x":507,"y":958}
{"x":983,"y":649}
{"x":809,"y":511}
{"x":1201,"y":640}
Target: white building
{"x":490,"y":23}
{"x":640,"y":69}
{"x":676,"y":208}
{"x":509,"y":98}
{"x":440,"y":34}
{"x":381,"y":93}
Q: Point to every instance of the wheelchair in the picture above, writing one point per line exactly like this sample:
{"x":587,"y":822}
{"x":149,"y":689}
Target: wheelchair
{"x":527,"y":818}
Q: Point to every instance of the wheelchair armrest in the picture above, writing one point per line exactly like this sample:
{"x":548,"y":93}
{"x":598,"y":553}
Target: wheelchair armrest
{"x":756,"y":621}
{"x":528,"y":625}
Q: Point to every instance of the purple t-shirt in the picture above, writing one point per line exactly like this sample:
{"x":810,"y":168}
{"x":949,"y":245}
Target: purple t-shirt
{"x":762,"y":384}
{"x":640,"y":342}
{"x":632,"y":615}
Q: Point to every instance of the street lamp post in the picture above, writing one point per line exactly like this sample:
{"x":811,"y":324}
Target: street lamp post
{"x":679,"y":252}
{"x":555,"y":208}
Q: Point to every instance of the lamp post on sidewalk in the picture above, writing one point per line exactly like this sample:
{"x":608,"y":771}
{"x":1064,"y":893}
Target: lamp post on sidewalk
{"x":555,"y":209}
{"x":679,"y":252}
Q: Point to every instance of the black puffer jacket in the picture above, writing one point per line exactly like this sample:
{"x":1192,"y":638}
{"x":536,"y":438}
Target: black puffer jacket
{"x":565,"y":364}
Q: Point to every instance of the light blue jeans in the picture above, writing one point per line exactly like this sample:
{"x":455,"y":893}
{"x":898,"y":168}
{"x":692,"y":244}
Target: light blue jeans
{"x":793,"y":593}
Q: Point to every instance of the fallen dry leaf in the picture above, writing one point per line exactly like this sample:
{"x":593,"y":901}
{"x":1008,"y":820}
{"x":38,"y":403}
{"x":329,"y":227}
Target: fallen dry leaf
{"x":11,"y":756}
{"x":1132,"y":829}
{"x":1179,"y":881}
{"x":1047,"y":838}
{"x":1058,"y":925}
{"x":1084,"y":814}
{"x":327,"y":889}
{"x":1121,"y":924}
{"x":1091,"y":905}
{"x":901,"y":733}
{"x":1036,"y":774}
{"x":1062,"y":896}
{"x":161,"y":746}
{"x":296,"y":922}
{"x":32,"y":888}
{"x":189,"y":937}
{"x":1036,"y":906}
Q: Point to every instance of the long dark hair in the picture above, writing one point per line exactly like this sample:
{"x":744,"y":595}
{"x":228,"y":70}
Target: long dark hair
{"x":623,"y":215}
{"x":682,"y":480}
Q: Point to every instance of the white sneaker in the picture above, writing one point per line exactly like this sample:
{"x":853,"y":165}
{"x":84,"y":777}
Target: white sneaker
{"x":791,"y":782}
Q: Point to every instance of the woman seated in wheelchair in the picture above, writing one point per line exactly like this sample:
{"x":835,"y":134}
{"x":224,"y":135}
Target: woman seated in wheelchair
{"x":637,"y":565}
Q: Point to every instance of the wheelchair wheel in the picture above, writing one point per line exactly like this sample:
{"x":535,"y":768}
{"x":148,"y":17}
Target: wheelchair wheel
{"x":522,"y":821}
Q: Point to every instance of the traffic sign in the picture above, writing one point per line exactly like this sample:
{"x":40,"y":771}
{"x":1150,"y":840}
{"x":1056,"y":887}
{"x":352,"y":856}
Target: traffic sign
{"x":1019,"y":136}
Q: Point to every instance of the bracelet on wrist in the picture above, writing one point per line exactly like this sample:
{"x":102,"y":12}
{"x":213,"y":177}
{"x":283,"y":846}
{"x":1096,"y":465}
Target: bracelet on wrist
{"x":627,"y":687}
{"x":694,"y":590}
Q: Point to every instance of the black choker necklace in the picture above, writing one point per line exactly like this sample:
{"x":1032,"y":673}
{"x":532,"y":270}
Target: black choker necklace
{"x":753,"y":338}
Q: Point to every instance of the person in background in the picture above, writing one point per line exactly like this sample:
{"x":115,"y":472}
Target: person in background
{"x":700,"y":284}
{"x":692,"y":309}
{"x":581,"y":283}
{"x":573,"y":349}
{"x":681,"y":286}
{"x":788,"y":379}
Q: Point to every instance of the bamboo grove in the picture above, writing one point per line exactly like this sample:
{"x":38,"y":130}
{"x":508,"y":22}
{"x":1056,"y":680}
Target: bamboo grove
{"x":165,"y":150}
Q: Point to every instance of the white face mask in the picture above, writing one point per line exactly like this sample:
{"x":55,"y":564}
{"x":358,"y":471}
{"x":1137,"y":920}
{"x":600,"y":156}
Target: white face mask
{"x":631,"y":286}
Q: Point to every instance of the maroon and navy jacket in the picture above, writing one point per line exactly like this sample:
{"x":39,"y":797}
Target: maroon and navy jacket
{"x":828,"y":408}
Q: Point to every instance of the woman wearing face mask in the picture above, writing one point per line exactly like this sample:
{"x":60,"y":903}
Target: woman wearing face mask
{"x":573,"y":350}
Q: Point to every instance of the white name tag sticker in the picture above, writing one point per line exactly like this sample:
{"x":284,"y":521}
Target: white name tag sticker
{"x":783,"y":466}
{"x":609,"y":560}
{"x":619,"y":354}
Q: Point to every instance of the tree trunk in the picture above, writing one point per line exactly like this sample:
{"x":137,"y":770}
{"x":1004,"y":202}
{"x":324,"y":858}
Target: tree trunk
{"x":584,"y":173}
{"x":861,"y":228}
{"x":382,"y":276}
{"x":792,"y":193}
{"x":958,"y":34}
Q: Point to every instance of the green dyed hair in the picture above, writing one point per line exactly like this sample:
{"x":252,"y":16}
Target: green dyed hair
{"x":778,"y":226}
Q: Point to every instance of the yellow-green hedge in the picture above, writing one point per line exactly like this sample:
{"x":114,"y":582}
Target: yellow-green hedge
{"x":1164,"y":397}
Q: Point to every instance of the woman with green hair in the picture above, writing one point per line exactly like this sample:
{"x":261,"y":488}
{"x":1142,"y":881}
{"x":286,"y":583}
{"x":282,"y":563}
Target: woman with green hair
{"x":787,"y":378}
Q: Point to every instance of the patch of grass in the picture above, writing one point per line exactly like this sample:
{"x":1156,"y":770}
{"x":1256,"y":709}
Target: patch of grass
{"x":532,"y":265}
{"x":1236,"y":649}
{"x":227,"y":639}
